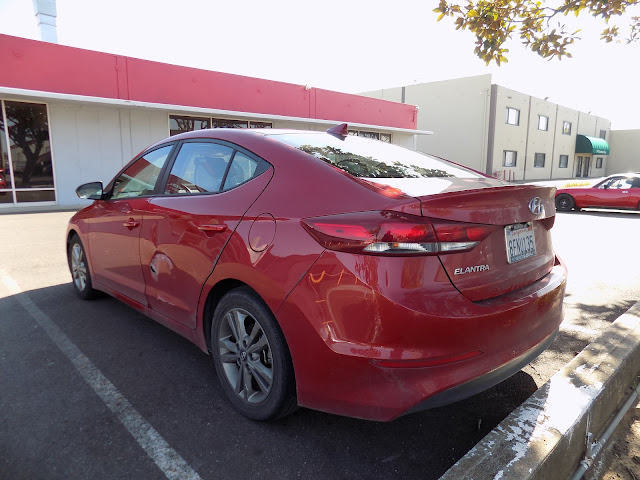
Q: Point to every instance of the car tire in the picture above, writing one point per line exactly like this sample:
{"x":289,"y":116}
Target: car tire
{"x":251,"y":357}
{"x":564,"y":202}
{"x":79,"y":268}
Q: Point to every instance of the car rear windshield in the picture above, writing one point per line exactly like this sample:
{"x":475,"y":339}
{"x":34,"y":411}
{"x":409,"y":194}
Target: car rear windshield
{"x":362,"y":157}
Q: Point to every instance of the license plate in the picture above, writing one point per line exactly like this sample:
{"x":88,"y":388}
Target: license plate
{"x":520,"y":241}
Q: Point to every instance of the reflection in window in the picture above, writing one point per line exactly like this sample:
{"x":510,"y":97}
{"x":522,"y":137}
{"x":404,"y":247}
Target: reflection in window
{"x":510,"y":158}
{"x":141,"y":176}
{"x":26,"y":169}
{"x":180,"y":124}
{"x":28,"y":130}
{"x":224,"y":123}
{"x":260,"y":125}
{"x":564,"y":161}
{"x":364,"y":158}
{"x":543,"y":122}
{"x":242,"y":169}
{"x":566,"y":128}
{"x":513,"y":116}
{"x":199,"y":168}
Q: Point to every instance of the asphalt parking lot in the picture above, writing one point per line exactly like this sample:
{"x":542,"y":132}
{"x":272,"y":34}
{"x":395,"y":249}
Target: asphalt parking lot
{"x":96,"y":390}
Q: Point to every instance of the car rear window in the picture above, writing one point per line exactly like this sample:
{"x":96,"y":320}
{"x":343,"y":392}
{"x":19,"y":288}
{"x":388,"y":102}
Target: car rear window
{"x":367,"y":158}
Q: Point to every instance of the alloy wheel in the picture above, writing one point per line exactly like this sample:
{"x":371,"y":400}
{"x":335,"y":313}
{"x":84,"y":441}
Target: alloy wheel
{"x":78,"y":267}
{"x":246,"y":357}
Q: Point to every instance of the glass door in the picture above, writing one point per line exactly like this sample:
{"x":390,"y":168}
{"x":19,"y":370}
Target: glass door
{"x":578,"y":173}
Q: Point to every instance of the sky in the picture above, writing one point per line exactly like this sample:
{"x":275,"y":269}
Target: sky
{"x":345,"y":45}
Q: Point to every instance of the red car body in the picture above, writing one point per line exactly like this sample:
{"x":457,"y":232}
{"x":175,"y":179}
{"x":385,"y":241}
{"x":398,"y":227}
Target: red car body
{"x":370,"y":335}
{"x":620,"y":191}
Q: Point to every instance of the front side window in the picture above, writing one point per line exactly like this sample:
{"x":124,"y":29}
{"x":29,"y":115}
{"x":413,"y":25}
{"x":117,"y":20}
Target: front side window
{"x":361,"y":157}
{"x":199,"y":168}
{"x":603,"y":134}
{"x":566,"y":128}
{"x":543,"y":122}
{"x":622,"y":183}
{"x":538,"y":161}
{"x":564,"y":161}
{"x":510,"y":158}
{"x":513,"y":116}
{"x":599,"y":162}
{"x":140,"y":178}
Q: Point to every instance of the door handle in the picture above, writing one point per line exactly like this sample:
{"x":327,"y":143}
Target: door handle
{"x":221,"y":227}
{"x":131,"y":223}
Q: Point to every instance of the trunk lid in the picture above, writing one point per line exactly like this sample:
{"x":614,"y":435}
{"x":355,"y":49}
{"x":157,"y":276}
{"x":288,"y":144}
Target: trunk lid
{"x":486,"y":272}
{"x":491,"y":268}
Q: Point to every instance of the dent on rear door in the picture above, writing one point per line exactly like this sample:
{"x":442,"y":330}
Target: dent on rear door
{"x":181,"y":241}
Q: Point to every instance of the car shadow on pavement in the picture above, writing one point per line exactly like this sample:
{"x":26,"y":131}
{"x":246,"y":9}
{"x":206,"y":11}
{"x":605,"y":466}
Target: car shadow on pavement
{"x":172,"y":384}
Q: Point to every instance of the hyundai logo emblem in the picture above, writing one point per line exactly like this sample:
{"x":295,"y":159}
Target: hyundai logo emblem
{"x":536,"y":206}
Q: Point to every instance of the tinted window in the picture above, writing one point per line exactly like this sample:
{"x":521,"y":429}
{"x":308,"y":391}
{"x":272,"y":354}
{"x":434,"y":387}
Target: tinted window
{"x":242,"y":169}
{"x":366,"y":158}
{"x":141,"y":176}
{"x":199,"y":168}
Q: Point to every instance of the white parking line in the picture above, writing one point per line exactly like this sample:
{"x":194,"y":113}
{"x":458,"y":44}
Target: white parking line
{"x":166,"y":458}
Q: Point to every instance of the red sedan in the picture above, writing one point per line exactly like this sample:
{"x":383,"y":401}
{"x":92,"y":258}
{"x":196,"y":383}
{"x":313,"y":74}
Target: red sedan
{"x":324,"y":270}
{"x":621,"y":191}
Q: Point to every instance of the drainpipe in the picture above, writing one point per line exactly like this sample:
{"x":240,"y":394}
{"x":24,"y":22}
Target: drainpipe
{"x":46,"y":13}
{"x":553,"y":147}
{"x":526,"y":142}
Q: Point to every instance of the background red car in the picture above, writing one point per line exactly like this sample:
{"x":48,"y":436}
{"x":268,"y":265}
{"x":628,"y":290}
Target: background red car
{"x":621,"y":191}
{"x":325,"y":270}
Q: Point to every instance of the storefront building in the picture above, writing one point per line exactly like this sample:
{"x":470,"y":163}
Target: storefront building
{"x":69,"y":116}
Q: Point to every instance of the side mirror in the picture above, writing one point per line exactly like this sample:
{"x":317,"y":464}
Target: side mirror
{"x":90,"y":191}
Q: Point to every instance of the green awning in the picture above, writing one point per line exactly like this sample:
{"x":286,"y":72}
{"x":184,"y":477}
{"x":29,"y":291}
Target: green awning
{"x":586,"y":144}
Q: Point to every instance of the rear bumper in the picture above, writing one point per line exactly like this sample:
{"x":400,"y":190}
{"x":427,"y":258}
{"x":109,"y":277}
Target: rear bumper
{"x":376,"y":337}
{"x":486,"y":381}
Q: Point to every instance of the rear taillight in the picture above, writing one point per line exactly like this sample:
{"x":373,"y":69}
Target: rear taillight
{"x":393,"y":233}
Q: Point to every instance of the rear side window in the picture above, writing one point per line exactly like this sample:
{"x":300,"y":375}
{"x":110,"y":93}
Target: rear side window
{"x":242,"y":169}
{"x":199,"y":168}
{"x":366,"y":158}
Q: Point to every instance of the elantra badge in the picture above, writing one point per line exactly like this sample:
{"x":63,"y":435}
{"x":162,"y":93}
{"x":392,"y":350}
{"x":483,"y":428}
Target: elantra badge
{"x":536,"y":206}
{"x":474,"y":269}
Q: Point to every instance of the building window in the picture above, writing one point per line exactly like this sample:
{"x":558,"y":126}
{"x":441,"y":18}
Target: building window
{"x":513,"y":116}
{"x":538,"y":161}
{"x":383,"y":137}
{"x":566,"y":128}
{"x":543,"y":122}
{"x":260,"y":125}
{"x":603,"y":134}
{"x":510,"y":158}
{"x":226,"y":123}
{"x":374,"y":135}
{"x":26,"y":168}
{"x":564,"y":161}
{"x":180,"y":123}
{"x":599,"y":162}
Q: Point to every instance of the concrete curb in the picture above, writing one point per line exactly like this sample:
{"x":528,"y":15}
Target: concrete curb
{"x":546,"y":437}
